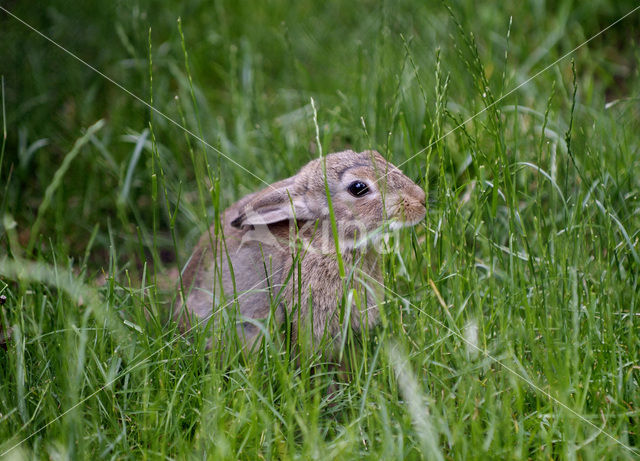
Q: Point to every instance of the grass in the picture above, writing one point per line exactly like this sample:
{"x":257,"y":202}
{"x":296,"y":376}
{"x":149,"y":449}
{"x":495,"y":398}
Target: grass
{"x":510,"y":311}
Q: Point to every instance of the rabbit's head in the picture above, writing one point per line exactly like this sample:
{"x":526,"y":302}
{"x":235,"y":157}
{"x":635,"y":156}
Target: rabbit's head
{"x":366,"y":192}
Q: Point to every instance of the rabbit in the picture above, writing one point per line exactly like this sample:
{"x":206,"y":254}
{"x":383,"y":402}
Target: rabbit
{"x":278,"y":244}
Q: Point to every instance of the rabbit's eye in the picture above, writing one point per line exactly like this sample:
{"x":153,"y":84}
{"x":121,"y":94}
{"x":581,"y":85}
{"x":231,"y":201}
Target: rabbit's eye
{"x":358,"y":189}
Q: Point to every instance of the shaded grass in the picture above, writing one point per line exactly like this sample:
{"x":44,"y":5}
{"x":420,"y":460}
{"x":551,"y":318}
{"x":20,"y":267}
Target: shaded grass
{"x":529,"y":249}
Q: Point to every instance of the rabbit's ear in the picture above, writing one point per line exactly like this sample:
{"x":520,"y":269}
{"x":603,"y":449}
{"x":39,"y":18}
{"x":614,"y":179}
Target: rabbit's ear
{"x":277,"y":203}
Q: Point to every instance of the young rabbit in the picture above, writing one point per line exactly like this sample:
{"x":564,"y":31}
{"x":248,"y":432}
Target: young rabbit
{"x":277,"y":247}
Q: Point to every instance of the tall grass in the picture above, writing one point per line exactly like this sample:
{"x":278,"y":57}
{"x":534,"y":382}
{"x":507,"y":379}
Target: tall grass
{"x":509,"y":327}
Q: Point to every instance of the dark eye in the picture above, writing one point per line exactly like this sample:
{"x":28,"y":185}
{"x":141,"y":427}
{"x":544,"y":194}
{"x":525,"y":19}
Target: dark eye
{"x":358,"y":189}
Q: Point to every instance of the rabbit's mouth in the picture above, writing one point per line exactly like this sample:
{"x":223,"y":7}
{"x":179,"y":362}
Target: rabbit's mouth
{"x":401,"y":223}
{"x":403,"y":215}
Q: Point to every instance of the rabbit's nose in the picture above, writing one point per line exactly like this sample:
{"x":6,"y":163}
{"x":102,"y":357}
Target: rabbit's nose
{"x":420,"y":195}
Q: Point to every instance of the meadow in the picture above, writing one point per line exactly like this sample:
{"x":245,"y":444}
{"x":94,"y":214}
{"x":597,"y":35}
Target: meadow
{"x":511,"y":322}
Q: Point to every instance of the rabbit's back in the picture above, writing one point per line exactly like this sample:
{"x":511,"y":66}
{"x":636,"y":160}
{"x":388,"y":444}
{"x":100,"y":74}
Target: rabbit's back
{"x":215,"y":288}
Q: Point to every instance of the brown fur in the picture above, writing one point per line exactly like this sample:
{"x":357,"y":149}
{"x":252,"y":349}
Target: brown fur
{"x":258,"y":238}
